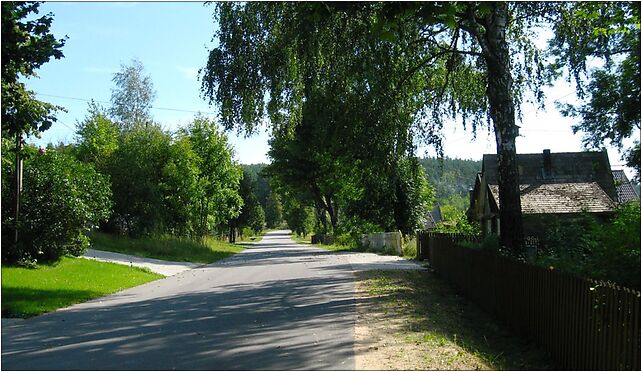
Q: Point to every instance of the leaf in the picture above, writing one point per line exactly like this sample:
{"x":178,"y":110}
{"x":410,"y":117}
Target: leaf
{"x":389,"y":36}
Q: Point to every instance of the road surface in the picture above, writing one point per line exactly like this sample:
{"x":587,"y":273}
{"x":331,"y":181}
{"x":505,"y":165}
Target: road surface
{"x":276,"y":306}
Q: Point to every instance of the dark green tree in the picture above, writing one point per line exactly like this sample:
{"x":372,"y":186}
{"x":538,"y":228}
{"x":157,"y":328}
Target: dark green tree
{"x":27,"y":44}
{"x":251,"y":215}
{"x":62,"y":199}
{"x":299,"y":217}
{"x":273,"y":210}
{"x":179,"y":187}
{"x":136,"y":171}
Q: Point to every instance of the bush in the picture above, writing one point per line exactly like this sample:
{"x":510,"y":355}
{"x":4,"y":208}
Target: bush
{"x":608,"y":251}
{"x":61,"y":200}
{"x":616,"y":252}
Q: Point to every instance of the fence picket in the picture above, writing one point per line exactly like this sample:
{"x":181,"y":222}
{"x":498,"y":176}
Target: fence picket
{"x":582,"y":328}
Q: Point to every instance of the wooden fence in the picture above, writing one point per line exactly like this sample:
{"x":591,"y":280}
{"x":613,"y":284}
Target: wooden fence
{"x":583,"y":324}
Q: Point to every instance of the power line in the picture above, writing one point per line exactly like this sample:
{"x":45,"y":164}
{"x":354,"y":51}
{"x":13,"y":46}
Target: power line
{"x":152,"y":107}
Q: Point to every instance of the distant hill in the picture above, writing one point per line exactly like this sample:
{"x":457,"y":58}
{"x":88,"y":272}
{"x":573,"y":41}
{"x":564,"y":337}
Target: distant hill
{"x":450,"y":176}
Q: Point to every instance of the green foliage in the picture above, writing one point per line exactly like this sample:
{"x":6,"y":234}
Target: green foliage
{"x":616,"y":253}
{"x":609,"y":32}
{"x":458,"y":224}
{"x":217,"y":198}
{"x":300,"y":218}
{"x":167,"y":247}
{"x":97,"y":137}
{"x":273,"y":210}
{"x":136,"y":174}
{"x":27,"y":44}
{"x":352,"y":86}
{"x":252,"y":214}
{"x":452,"y":178}
{"x":179,"y":187}
{"x":31,"y":292}
{"x":604,"y":251}
{"x":61,"y":200}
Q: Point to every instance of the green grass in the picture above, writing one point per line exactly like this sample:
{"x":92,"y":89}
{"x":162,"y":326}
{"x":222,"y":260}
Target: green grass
{"x":168,"y":248}
{"x":28,"y":292}
{"x":301,"y":239}
{"x":436,"y":319}
{"x":254,"y":238}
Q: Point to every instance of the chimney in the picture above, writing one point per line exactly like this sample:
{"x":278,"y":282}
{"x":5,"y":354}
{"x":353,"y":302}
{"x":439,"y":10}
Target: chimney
{"x":548,"y":166}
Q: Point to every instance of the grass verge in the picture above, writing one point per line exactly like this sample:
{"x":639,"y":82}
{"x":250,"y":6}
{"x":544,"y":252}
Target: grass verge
{"x":412,"y":320}
{"x":29,"y":292}
{"x":168,"y":248}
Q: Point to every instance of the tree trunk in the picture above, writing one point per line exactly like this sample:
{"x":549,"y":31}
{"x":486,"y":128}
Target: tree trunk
{"x":232,"y":237}
{"x":333,"y":211}
{"x":502,"y":111}
{"x":18,"y":189}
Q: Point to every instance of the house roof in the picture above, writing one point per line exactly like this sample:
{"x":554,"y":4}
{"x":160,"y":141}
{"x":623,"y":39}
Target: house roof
{"x":559,"y":198}
{"x":433,"y":217}
{"x":624,"y":188}
{"x":557,"y":168}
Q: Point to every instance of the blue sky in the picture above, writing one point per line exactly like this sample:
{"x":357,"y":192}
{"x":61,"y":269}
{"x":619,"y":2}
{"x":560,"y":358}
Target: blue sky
{"x":172,"y":40}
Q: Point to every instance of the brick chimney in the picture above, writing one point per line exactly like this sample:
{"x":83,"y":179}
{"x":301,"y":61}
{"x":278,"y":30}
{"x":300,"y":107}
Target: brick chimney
{"x":547,"y":171}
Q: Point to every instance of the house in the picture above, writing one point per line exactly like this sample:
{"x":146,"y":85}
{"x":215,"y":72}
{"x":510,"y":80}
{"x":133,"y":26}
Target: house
{"x":625,"y":190}
{"x":433,"y":218}
{"x":560,"y":184}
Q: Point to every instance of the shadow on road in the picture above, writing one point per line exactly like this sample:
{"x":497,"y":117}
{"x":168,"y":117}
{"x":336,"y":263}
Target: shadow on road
{"x":272,"y":325}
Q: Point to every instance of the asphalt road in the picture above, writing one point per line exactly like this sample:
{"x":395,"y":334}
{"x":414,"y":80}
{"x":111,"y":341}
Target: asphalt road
{"x":275,"y":306}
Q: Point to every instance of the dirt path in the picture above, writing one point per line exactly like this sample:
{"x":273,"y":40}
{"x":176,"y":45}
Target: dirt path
{"x":414,"y":321}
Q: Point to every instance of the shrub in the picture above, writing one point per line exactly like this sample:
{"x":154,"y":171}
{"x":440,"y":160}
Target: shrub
{"x":608,"y":251}
{"x":61,"y":200}
{"x":616,"y":253}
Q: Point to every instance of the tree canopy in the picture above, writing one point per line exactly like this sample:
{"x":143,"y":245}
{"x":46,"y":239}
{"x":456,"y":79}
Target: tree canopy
{"x":26,"y":46}
{"x":610,"y":109}
{"x":384,"y":74}
{"x":133,"y":95}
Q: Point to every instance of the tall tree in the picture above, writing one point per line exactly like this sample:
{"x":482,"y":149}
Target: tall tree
{"x":610,"y":107}
{"x":133,"y":96}
{"x":26,"y":46}
{"x":97,"y":137}
{"x":473,"y":59}
{"x":326,"y":111}
{"x":216,"y":198}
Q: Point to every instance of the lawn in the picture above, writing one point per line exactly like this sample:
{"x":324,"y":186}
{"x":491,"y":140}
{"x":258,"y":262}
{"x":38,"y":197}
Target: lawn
{"x":28,"y":292}
{"x":413,"y":320}
{"x":168,"y":248}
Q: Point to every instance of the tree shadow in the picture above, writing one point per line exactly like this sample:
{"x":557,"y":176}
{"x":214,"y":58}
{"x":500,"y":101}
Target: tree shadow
{"x":301,"y":323}
{"x":28,"y":302}
{"x":435,"y":311}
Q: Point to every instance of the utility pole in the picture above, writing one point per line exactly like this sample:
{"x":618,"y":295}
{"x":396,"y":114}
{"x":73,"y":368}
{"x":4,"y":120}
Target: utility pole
{"x":18,"y":186}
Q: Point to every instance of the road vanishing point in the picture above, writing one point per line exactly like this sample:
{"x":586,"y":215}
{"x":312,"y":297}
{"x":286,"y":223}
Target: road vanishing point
{"x":277,"y":305}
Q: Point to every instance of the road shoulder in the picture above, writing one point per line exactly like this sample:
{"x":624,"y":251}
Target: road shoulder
{"x":167,"y":268}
